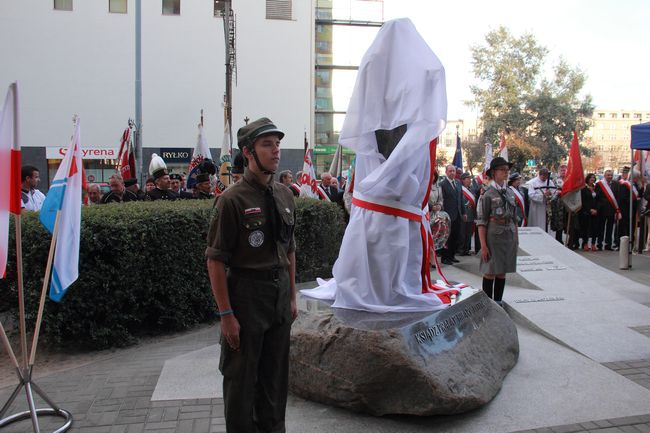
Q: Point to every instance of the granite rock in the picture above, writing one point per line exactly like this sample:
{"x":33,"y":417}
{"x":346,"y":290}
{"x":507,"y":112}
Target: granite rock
{"x":444,"y":362}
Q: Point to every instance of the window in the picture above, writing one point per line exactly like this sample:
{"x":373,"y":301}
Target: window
{"x":117,"y":6}
{"x":637,"y":115}
{"x":626,"y":115}
{"x":614,"y":115}
{"x":278,"y":9}
{"x":171,"y":7}
{"x":63,"y":5}
{"x":601,"y":115}
{"x":220,"y":7}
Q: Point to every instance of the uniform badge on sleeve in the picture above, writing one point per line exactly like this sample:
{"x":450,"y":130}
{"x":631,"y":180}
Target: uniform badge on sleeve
{"x":256,"y":239}
{"x":252,"y":211}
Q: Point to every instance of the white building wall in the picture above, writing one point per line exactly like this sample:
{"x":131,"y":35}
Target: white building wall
{"x":82,"y":62}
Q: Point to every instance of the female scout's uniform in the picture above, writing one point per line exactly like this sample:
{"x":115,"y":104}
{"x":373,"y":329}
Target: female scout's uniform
{"x":496,"y":210}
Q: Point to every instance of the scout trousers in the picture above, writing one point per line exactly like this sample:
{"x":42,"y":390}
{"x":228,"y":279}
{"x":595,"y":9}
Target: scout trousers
{"x":255,"y":378}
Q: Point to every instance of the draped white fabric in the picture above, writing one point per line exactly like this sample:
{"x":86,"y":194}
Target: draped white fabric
{"x":400,"y":81}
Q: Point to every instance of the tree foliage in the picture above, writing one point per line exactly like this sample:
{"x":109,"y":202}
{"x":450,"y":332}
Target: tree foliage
{"x":537,"y":114}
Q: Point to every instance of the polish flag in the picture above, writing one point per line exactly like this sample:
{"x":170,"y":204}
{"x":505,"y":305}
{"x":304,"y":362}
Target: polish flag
{"x":9,"y":170}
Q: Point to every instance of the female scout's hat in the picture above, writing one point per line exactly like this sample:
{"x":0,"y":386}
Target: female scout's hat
{"x":247,"y":134}
{"x":497,"y":162}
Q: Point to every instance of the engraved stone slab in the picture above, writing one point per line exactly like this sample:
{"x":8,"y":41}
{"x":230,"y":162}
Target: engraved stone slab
{"x":538,"y":263}
{"x":443,"y":362}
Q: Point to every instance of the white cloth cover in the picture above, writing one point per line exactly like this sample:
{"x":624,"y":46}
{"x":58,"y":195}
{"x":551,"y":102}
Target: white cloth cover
{"x":400,"y":81}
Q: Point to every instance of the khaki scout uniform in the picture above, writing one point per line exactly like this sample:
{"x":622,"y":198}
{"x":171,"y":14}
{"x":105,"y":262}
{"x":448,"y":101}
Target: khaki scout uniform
{"x":496,"y":209}
{"x":252,"y":233}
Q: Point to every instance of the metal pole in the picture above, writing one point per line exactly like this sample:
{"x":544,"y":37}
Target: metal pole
{"x":228,"y":55}
{"x":138,"y":91}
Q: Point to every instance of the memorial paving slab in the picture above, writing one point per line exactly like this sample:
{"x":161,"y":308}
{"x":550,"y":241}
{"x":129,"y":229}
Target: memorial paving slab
{"x":552,"y":384}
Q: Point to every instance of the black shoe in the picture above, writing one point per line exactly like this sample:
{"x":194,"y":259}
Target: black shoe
{"x":454,"y":260}
{"x":446,"y":262}
{"x":608,"y":248}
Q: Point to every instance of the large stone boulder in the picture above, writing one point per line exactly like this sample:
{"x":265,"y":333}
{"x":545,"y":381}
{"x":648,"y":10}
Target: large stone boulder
{"x":445,"y":362}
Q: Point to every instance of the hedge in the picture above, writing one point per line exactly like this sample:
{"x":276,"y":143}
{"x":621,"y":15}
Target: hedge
{"x":142,"y":270}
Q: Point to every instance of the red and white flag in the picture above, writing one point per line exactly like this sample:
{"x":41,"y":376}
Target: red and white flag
{"x":9,"y":170}
{"x":574,"y":180}
{"x":308,"y":185}
{"x":126,"y":155}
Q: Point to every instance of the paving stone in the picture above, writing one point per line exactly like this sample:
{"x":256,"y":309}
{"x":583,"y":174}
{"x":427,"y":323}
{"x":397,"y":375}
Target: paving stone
{"x":643,"y":428}
{"x":194,"y":415}
{"x":185,"y":426}
{"x":157,"y":426}
{"x":201,"y":425}
{"x":155,"y":415}
{"x":569,"y":428}
{"x":629,"y":429}
{"x":170,"y":413}
{"x":196,"y":408}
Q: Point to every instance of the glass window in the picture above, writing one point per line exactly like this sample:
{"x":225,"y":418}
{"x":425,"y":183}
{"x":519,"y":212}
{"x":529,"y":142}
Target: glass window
{"x":171,"y":7}
{"x":637,"y":115}
{"x":614,"y":115}
{"x":63,"y":5}
{"x":219,"y":7}
{"x":626,"y":115}
{"x":601,"y":115}
{"x":117,"y":6}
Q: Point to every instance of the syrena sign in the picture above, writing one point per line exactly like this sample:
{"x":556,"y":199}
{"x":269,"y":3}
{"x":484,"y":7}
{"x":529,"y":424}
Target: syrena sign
{"x":88,"y":153}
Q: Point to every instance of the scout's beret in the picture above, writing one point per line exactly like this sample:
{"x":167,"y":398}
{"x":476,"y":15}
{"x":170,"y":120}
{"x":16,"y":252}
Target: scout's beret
{"x":130,"y":182}
{"x":514,"y":176}
{"x":247,"y":134}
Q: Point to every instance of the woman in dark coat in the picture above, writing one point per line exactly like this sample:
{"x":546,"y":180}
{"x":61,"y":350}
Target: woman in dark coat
{"x":588,"y":214}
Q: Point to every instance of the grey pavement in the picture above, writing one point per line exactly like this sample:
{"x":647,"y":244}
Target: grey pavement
{"x":555,"y":387}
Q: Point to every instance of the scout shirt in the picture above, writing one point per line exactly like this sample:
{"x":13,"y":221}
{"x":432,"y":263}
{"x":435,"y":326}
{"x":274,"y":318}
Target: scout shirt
{"x":247,"y":232}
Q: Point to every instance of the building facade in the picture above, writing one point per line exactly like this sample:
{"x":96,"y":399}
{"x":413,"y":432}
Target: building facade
{"x":78,"y":57}
{"x":609,"y":138}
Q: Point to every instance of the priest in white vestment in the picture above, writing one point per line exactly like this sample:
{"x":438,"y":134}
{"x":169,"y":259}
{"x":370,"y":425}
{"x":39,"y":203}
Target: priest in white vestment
{"x":540,"y":190}
{"x":400,"y":83}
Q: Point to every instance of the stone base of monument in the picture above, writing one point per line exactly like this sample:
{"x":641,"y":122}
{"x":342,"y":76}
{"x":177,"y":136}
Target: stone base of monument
{"x":433,"y":363}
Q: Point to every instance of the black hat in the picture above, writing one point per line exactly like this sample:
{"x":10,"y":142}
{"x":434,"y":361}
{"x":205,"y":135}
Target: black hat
{"x":175,"y":176}
{"x":497,"y":162}
{"x":626,"y":169}
{"x":204,"y":170}
{"x":465,"y":175}
{"x":130,"y":182}
{"x":238,"y":164}
{"x":247,"y":134}
{"x":514,"y":176}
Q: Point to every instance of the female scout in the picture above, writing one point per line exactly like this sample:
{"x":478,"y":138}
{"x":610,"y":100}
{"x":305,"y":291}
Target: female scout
{"x":497,"y":228}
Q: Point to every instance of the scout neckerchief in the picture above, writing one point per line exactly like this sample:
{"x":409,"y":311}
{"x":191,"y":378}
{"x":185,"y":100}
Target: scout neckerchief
{"x":520,"y":202}
{"x":604,"y":186}
{"x":469,"y":196}
{"x":628,"y":185}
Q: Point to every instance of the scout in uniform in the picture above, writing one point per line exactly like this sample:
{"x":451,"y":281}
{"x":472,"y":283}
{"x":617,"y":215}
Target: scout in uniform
{"x":161,"y":191}
{"x":252,"y":235}
{"x":497,"y":228}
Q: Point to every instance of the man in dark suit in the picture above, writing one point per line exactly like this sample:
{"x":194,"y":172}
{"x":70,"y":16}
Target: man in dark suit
{"x":608,"y":211}
{"x":330,"y":188}
{"x":452,"y":204}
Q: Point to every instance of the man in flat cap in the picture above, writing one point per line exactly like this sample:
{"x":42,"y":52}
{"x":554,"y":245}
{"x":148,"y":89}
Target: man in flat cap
{"x":252,"y":235}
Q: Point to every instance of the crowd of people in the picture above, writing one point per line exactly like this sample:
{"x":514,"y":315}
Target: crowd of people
{"x":599,"y":224}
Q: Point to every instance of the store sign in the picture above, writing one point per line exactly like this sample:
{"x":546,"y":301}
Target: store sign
{"x":88,"y":153}
{"x":327,"y":149}
{"x":174,"y":154}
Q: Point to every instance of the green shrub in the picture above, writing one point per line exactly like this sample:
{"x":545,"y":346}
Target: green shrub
{"x":142,"y":269}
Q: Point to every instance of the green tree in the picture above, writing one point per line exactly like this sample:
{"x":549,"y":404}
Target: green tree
{"x":539,"y":114}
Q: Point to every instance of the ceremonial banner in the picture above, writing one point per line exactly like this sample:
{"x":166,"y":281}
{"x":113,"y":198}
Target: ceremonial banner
{"x":308,"y":185}
{"x":65,"y":196}
{"x":225,"y":159}
{"x":201,"y":152}
{"x":458,"y":156}
{"x":126,"y":155}
{"x":574,"y":180}
{"x":400,"y":87}
{"x":336,"y":168}
{"x":9,"y":170}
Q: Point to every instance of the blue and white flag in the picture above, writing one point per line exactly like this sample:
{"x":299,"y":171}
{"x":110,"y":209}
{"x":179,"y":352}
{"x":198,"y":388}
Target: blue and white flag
{"x":458,"y":155}
{"x":65,"y":195}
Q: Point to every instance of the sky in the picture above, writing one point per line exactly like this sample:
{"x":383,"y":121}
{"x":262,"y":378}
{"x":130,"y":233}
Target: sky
{"x":608,"y":40}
